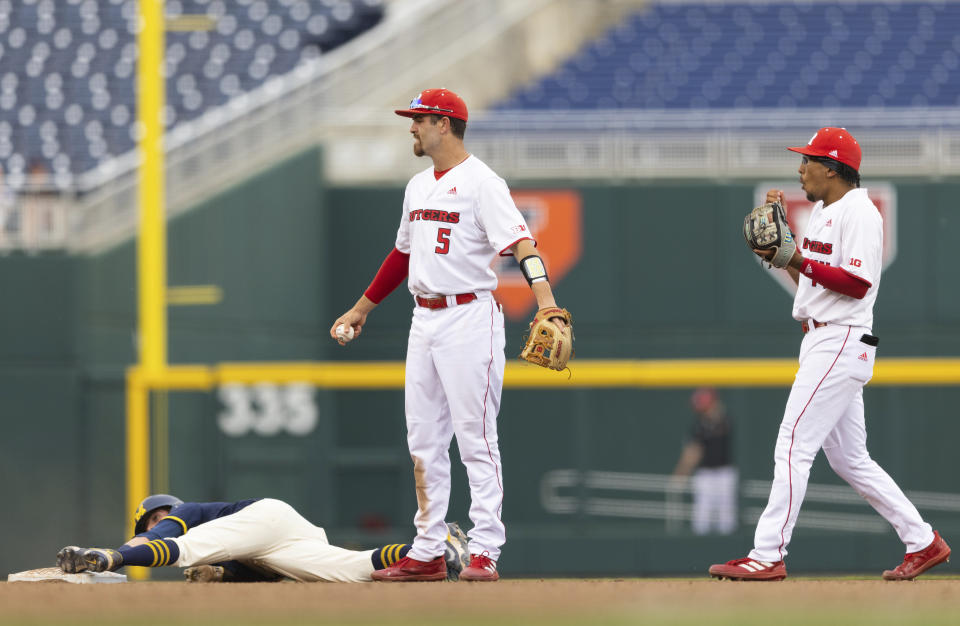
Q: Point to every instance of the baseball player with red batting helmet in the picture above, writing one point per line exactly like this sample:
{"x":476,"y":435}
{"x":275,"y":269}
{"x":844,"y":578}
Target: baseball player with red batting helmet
{"x":457,"y":215}
{"x":837,"y":276}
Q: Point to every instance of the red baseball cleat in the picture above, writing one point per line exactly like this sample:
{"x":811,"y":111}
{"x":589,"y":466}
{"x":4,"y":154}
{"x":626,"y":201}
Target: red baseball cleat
{"x":410,"y":570}
{"x":482,"y":569}
{"x":916,"y":563}
{"x":749,"y":569}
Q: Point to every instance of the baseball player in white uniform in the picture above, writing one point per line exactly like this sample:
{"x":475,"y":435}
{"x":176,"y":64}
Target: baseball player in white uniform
{"x":837,"y":276}
{"x":457,"y":215}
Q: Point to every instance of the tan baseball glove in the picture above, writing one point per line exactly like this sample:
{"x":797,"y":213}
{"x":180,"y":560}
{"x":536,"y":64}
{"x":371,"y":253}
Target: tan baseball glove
{"x":547,"y":345}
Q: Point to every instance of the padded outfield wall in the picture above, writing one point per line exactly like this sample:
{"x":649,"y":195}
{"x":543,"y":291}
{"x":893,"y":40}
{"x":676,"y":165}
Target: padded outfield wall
{"x":662,"y":272}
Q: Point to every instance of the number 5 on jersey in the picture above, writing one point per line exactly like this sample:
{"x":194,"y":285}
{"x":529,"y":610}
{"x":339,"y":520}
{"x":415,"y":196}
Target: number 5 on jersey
{"x":443,"y":238}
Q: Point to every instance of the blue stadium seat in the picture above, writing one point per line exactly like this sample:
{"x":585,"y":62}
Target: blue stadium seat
{"x":68,"y":67}
{"x":762,"y":55}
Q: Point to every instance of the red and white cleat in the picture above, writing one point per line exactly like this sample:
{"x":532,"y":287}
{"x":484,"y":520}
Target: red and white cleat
{"x":408,"y":570}
{"x":749,"y":569}
{"x":482,"y":568}
{"x":916,"y":563}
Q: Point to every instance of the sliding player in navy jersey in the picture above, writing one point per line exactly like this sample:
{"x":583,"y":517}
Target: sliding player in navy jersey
{"x":249,"y":540}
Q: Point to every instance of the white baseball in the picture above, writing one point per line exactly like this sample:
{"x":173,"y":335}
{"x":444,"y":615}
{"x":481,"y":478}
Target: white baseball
{"x":344,"y":333}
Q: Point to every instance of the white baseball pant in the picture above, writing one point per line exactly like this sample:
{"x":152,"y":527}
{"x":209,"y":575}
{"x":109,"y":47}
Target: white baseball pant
{"x":454,"y":378}
{"x":825,"y":410}
{"x":270,"y":534}
{"x":715,"y":500}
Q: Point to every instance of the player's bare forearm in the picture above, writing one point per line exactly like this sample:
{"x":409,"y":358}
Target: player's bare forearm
{"x":364,"y":305}
{"x":545,"y":300}
{"x":524,"y":247}
{"x":689,"y":459}
{"x":541,"y":289}
{"x":356,"y":317}
{"x":793,"y":269}
{"x":544,"y":295}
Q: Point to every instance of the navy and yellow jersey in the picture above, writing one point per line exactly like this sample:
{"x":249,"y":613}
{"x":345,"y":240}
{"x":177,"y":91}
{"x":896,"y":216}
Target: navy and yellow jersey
{"x":185,"y":516}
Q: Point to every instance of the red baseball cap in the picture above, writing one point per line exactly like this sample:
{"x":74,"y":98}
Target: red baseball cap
{"x":436,"y":102}
{"x":833,"y":143}
{"x":703,"y":398}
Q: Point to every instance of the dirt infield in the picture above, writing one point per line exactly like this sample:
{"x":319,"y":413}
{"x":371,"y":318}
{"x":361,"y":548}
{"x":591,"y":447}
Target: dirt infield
{"x":671,"y":601}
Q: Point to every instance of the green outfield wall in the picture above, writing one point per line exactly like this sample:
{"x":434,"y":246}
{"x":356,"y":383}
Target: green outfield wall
{"x":663,"y":273}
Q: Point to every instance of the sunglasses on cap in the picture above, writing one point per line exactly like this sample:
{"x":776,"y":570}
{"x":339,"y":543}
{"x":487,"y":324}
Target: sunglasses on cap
{"x":417,"y":104}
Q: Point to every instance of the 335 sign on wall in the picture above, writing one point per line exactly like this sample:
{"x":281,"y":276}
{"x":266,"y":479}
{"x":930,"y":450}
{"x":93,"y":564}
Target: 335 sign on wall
{"x":267,"y":409}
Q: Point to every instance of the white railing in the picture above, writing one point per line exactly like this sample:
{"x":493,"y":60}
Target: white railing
{"x":664,"y":497}
{"x":619,"y":145}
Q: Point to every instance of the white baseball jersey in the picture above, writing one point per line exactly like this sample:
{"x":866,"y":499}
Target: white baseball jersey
{"x":846,"y":234}
{"x":825,"y":409}
{"x":451,"y":242}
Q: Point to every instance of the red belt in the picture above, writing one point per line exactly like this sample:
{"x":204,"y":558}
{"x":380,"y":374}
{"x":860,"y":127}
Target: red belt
{"x":806,"y":327}
{"x":441,"y":302}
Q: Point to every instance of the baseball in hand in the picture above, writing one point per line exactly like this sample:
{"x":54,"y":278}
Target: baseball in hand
{"x":344,"y":333}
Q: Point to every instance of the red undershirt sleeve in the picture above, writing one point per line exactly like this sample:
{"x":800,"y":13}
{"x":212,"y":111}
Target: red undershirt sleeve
{"x":835,"y":278}
{"x":391,"y":273}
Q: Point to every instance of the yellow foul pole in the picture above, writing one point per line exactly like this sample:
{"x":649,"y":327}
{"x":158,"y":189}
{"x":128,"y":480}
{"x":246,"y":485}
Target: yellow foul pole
{"x":151,"y":250}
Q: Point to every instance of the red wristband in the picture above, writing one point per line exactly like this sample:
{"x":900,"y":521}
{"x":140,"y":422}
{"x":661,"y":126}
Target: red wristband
{"x":835,"y":278}
{"x":391,"y":273}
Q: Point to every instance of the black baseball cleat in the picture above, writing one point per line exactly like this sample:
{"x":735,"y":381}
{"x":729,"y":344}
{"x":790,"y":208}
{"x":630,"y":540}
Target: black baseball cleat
{"x":73,"y":560}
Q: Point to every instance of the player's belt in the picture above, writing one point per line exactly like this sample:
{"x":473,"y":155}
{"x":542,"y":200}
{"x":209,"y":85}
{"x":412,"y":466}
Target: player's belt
{"x":444,"y":301}
{"x":807,"y":326}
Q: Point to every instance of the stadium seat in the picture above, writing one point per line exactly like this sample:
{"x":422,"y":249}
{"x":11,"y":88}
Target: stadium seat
{"x":68,"y":67}
{"x":762,"y":55}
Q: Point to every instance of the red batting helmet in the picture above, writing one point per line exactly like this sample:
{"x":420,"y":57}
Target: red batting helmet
{"x":436,"y":102}
{"x":833,"y":143}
